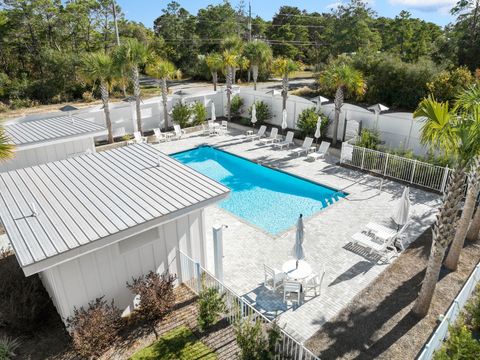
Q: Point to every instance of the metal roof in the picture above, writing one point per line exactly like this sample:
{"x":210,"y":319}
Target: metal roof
{"x":44,"y":130}
{"x":61,"y":207}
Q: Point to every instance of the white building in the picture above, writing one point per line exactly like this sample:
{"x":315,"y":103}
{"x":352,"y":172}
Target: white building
{"x":41,"y":141}
{"x":90,"y":223}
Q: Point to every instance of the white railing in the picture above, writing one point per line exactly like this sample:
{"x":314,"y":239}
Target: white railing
{"x":441,"y":332}
{"x":238,"y":308}
{"x":396,"y":167}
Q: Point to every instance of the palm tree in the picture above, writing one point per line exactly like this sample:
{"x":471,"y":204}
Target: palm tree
{"x":284,"y":67}
{"x":468,"y":104}
{"x":163,"y":70}
{"x":6,"y":147}
{"x":341,"y":78}
{"x":443,"y":130}
{"x":99,"y":68}
{"x":214,"y":63}
{"x":230,"y":61}
{"x":132,"y":54}
{"x":259,"y":54}
{"x":234,"y":45}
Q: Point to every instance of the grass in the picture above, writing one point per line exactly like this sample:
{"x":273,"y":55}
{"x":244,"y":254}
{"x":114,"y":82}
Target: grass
{"x":179,"y":343}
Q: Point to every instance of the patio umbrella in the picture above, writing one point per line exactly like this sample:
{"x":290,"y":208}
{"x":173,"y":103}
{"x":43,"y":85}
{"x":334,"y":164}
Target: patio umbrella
{"x":377,"y":109}
{"x":319,"y":100}
{"x":317,"y":130}
{"x":68,"y":109}
{"x":254,"y":115}
{"x":400,"y":215}
{"x":214,"y":116}
{"x":284,"y":119}
{"x":298,"y":252}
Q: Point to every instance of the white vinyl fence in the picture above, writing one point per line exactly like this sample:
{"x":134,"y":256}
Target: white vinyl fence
{"x":191,"y":273}
{"x":440,"y":334}
{"x":395,"y":167}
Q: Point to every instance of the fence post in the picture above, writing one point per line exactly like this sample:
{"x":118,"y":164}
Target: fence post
{"x":179,"y":263}
{"x":198,"y":270}
{"x":386,"y":164}
{"x":300,"y":353}
{"x":363,"y":158}
{"x":413,"y":171}
{"x":444,"y":179}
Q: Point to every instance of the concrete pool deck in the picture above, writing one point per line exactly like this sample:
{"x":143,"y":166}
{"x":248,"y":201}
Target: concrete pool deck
{"x":348,"y":269}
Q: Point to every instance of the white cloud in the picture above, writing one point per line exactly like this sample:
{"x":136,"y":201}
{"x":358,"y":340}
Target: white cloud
{"x":440,"y":6}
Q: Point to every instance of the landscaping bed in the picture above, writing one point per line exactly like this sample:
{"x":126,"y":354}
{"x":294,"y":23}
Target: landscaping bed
{"x":378,"y":324}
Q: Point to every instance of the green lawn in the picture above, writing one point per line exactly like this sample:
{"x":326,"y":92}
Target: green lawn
{"x":177,"y":344}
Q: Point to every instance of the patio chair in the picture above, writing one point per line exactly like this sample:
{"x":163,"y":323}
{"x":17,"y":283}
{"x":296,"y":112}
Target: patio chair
{"x":288,"y":140}
{"x":224,"y":126}
{"x":305,"y":148}
{"x":292,"y":287}
{"x":314,"y":282}
{"x":212,"y":129}
{"x":205,"y":129}
{"x":137,"y":138}
{"x":271,"y":139}
{"x":274,"y":276}
{"x":179,"y":132}
{"x":260,"y":134}
{"x":321,"y":152}
{"x":159,"y":136}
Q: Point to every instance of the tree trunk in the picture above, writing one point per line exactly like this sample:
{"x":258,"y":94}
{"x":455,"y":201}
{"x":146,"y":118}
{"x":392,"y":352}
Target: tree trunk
{"x":451,"y":262}
{"x":234,"y":75}
{"x":474,"y":230}
{"x":248,"y":76}
{"x":215,"y":80}
{"x":284,"y":92}
{"x":106,"y":110}
{"x":229,"y":91}
{"x":255,"y":76}
{"x":442,"y":232}
{"x":338,"y":108}
{"x":136,"y":94}
{"x":163,"y":85}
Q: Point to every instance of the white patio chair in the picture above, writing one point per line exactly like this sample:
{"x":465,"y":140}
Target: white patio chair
{"x":287,"y":142}
{"x":274,"y":276}
{"x":321,"y":152}
{"x":272,"y":138}
{"x":137,"y":138}
{"x":314,"y":283}
{"x":291,"y":287}
{"x":305,"y":148}
{"x":260,"y":134}
{"x":159,"y":136}
{"x":179,"y":132}
{"x":224,"y":126}
{"x":205,"y":129}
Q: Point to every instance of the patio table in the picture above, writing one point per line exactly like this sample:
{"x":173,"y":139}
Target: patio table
{"x":249,"y":132}
{"x":169,"y":136}
{"x":304,"y":269}
{"x":380,"y":231}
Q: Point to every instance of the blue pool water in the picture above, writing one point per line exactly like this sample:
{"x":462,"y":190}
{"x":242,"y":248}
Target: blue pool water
{"x":267,"y":198}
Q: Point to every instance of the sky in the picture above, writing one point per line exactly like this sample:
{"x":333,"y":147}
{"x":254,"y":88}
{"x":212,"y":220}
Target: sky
{"x":436,"y":11}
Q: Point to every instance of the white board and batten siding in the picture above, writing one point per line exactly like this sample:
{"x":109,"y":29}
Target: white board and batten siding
{"x":105,"y":272}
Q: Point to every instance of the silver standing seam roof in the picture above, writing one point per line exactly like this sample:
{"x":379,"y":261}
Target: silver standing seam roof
{"x":57,"y":211}
{"x":45,"y":130}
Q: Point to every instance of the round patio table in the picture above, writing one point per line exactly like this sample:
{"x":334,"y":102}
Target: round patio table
{"x":304,"y":269}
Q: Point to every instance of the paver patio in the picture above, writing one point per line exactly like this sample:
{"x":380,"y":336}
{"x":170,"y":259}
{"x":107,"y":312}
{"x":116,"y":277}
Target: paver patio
{"x":348,"y":269}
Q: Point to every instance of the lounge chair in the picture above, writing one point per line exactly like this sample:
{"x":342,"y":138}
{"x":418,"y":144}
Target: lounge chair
{"x":292,"y":287}
{"x":271,"y":139}
{"x":288,"y":140}
{"x":137,"y":138}
{"x":305,"y":148}
{"x":321,"y":152}
{"x":159,"y":136}
{"x":273,"y":276}
{"x":260,"y":134}
{"x":179,"y":132}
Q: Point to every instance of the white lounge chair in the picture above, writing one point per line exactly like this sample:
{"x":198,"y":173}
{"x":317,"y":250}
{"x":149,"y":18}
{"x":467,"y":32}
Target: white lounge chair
{"x":260,"y":134}
{"x":305,"y":148}
{"x":273,"y":276}
{"x":271,"y":139}
{"x":321,"y":152}
{"x":137,"y":138}
{"x":314,"y":283}
{"x":287,"y":142}
{"x":292,"y":287}
{"x":179,"y":132}
{"x":159,"y":136}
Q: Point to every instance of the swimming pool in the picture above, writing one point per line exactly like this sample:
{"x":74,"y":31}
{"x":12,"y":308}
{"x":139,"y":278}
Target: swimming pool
{"x":264,"y":197}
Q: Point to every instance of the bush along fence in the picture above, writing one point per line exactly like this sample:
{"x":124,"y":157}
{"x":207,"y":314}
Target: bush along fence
{"x":396,"y":167}
{"x":192,"y":274}
{"x":441,"y":332}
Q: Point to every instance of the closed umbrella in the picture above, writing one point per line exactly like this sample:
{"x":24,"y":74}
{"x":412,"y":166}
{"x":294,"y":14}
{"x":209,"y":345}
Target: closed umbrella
{"x":317,"y":130}
{"x":214,"y":116}
{"x":254,"y":115}
{"x":400,"y":215}
{"x":298,"y":252}
{"x":284,"y":119}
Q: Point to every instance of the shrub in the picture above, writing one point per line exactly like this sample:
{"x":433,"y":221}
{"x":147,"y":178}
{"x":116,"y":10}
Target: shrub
{"x":24,"y":303}
{"x":199,"y":113}
{"x":181,"y":114}
{"x":459,"y":345}
{"x":87,"y":96}
{"x":210,"y":305}
{"x":156,"y":295}
{"x":8,"y":346}
{"x":369,"y":139}
{"x":257,"y":342}
{"x":307,"y":122}
{"x":94,"y":329}
{"x":263,"y":112}
{"x":236,"y":106}
{"x":3,"y":107}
